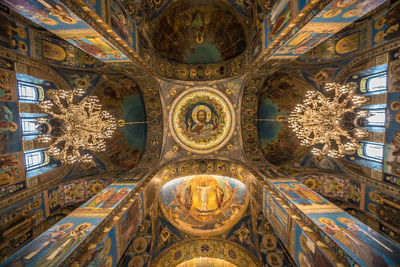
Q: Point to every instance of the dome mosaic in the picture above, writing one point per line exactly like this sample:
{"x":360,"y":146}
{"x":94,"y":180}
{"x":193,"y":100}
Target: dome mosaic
{"x":204,"y":204}
{"x":191,"y":33}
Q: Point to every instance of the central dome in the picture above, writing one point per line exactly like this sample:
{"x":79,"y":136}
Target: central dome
{"x":198,"y":34}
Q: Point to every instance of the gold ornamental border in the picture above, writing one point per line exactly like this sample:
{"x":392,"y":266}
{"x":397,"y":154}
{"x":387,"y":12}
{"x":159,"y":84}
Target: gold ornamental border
{"x":222,"y":138}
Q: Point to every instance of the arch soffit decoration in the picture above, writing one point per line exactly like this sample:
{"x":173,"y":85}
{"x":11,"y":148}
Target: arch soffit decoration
{"x":221,"y":167}
{"x":211,"y":248}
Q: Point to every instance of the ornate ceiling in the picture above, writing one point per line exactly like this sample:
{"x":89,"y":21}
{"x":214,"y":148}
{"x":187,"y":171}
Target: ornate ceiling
{"x":200,"y":119}
{"x":204,"y":205}
{"x":208,"y":85}
{"x":193,"y":32}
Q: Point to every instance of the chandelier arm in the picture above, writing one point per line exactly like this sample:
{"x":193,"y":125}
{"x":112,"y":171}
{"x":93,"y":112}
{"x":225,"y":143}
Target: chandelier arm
{"x":52,"y":113}
{"x":85,"y":126}
{"x":57,"y":101}
{"x":318,"y":119}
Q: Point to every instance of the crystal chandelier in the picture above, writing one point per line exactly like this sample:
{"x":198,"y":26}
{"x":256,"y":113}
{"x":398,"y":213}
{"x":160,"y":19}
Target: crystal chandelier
{"x":328,"y":122}
{"x":75,"y":127}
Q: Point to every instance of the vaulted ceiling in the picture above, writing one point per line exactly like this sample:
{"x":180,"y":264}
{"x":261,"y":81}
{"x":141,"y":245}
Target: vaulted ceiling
{"x":205,"y":85}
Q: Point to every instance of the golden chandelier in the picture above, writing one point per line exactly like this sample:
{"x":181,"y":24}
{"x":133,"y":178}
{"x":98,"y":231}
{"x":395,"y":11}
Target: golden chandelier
{"x":75,"y":126}
{"x":328,"y":122}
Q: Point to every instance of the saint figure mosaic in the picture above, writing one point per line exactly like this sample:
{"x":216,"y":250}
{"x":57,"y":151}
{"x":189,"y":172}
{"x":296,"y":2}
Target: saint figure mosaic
{"x":202,"y":120}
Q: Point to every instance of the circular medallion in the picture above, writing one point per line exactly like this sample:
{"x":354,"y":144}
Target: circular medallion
{"x":269,"y":242}
{"x":136,"y":261}
{"x":202,"y":120}
{"x":139,"y":245}
{"x":274,"y":260}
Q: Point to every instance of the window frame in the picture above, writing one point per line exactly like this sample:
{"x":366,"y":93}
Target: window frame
{"x":23,"y":96}
{"x":376,"y":76}
{"x":365,"y":81}
{"x":25,"y":121}
{"x":363,"y":151}
{"x":376,"y":111}
{"x":28,"y":156}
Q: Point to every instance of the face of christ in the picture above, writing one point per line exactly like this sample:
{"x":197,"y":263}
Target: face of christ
{"x":201,"y":116}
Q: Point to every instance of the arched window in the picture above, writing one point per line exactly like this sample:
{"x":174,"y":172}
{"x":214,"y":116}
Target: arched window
{"x":38,"y":162}
{"x":377,"y":117}
{"x":34,"y":160}
{"x":29,"y":123}
{"x":29,"y":126}
{"x":376,"y":120}
{"x":377,"y":83}
{"x":371,"y":151}
{"x":372,"y":81}
{"x":374,"y":84}
{"x":28,"y":92}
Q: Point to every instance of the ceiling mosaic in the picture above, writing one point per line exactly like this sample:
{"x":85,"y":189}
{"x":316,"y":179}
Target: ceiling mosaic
{"x":197,"y":188}
{"x":122,"y":98}
{"x":193,"y":33}
{"x":280,"y":94}
{"x":204,"y":262}
{"x":204,"y":204}
{"x":184,"y":168}
{"x":209,"y":248}
{"x":202,"y":119}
